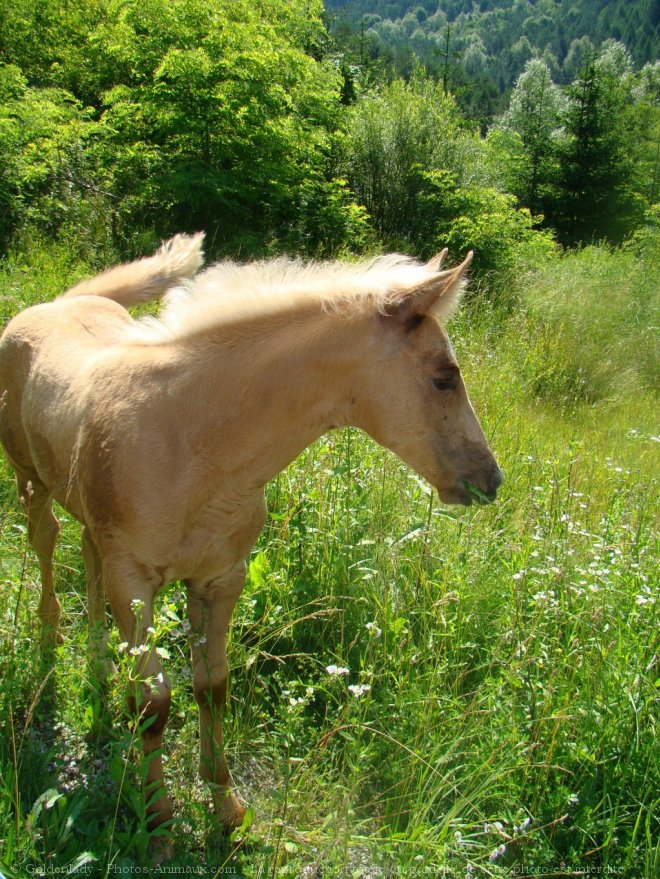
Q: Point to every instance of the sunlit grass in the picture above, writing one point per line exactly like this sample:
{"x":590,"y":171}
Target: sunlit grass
{"x":499,"y":715}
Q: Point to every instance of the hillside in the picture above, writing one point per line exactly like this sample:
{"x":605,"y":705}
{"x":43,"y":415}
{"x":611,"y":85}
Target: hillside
{"x":480,"y":48}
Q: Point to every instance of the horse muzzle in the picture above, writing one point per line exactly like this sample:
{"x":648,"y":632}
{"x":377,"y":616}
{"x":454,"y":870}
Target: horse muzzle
{"x":482,"y":490}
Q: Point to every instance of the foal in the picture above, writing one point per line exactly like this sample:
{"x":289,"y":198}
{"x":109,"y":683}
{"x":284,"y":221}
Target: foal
{"x":160,"y":435}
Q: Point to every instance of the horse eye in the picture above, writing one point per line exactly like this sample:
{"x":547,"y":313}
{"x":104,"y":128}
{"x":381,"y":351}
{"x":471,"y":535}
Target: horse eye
{"x":445,"y":383}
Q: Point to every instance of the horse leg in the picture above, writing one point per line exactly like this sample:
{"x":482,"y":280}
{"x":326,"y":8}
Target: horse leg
{"x":43,"y":528}
{"x":98,"y":633}
{"x":210,"y":606}
{"x":131,"y":602}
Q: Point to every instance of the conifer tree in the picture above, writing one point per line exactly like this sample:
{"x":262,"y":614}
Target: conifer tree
{"x":595,"y":194}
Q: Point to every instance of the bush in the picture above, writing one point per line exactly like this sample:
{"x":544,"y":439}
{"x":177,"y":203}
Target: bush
{"x":484,"y":220}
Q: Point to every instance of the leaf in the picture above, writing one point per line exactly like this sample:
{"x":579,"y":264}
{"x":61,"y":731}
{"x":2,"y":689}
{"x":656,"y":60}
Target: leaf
{"x":414,"y":531}
{"x":258,"y":569}
{"x":80,"y":861}
{"x":398,"y":626}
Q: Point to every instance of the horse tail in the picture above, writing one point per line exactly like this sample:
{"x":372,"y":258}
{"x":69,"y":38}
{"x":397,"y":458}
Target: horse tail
{"x":149,"y":278}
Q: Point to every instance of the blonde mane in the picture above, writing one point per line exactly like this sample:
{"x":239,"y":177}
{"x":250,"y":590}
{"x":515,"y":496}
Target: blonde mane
{"x":230,"y":293}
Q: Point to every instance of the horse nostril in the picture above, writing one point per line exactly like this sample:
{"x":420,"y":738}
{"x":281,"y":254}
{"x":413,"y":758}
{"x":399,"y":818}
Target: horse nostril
{"x":496,"y":479}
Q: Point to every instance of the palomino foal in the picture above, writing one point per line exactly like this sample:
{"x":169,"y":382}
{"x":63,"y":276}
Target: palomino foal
{"x":160,"y":435}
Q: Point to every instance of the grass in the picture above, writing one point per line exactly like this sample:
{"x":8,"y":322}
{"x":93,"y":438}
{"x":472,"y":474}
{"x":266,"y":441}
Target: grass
{"x":503,"y":660}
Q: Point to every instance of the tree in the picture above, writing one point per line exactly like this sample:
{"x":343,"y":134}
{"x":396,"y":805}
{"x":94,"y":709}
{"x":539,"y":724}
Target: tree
{"x":221,"y":117}
{"x":596,"y":194}
{"x":534,"y":115}
{"x":393,"y":136}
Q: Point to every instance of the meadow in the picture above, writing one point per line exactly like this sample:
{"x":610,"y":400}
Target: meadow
{"x":416,"y":690}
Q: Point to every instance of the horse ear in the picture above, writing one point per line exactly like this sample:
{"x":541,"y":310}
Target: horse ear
{"x":435,"y":263}
{"x":438,"y":294}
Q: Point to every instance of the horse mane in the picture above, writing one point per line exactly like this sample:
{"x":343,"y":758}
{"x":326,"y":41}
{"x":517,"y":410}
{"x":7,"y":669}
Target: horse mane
{"x":231,"y":293}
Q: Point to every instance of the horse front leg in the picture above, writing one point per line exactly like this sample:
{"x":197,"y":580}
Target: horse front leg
{"x":131,"y":601}
{"x":102,"y":667}
{"x":210,"y":606}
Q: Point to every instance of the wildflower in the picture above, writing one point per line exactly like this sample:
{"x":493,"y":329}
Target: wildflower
{"x":373,"y":630}
{"x":337,"y":670}
{"x":497,"y":853}
{"x":137,"y":604}
{"x":199,"y":640}
{"x":151,"y":630}
{"x":122,"y":647}
{"x":139,"y":650}
{"x":359,"y":689}
{"x":309,"y":691}
{"x":519,"y":574}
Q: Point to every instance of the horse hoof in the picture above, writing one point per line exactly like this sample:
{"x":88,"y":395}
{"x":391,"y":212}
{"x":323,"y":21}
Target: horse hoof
{"x":51,"y":639}
{"x":230,"y":811}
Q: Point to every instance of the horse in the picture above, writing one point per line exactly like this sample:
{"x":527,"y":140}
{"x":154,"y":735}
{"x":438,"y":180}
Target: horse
{"x":159,"y":434}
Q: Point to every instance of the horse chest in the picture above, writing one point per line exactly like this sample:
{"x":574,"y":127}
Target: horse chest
{"x":217,"y":540}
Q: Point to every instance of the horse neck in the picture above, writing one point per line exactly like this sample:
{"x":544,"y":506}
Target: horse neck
{"x":266,"y":391}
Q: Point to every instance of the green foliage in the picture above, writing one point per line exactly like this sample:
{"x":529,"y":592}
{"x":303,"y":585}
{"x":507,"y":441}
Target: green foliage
{"x":490,"y":41}
{"x":584,"y":159}
{"x":47,"y":179}
{"x":481,"y":218}
{"x":395,"y":136}
{"x":216,"y":115}
{"x":223,"y":114}
{"x":596,"y":194}
{"x":534,"y":113}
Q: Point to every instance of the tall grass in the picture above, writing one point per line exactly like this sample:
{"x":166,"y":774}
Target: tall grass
{"x":499,"y":717}
{"x":588,"y":329}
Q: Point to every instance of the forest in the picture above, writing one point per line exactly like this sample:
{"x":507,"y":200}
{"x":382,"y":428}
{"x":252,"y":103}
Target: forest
{"x":499,"y":714}
{"x":478,"y":49}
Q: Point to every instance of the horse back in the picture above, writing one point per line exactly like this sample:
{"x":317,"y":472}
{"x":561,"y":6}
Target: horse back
{"x":46,"y":353}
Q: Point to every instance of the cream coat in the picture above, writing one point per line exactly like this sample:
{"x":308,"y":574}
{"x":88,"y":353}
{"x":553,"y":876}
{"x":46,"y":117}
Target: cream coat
{"x":160,"y":435}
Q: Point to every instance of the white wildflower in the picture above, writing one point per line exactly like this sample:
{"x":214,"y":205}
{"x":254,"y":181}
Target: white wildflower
{"x":359,"y":689}
{"x":337,"y":670}
{"x":373,"y":630}
{"x":497,"y":852}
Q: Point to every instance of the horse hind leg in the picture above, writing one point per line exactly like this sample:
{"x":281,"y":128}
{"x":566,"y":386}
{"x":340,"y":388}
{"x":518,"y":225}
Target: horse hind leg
{"x":43,"y":528}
